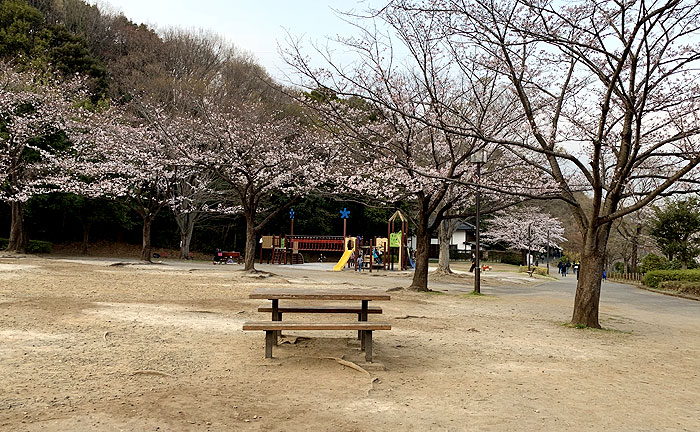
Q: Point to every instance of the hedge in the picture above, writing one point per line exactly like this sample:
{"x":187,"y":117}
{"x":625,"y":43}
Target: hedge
{"x":34,"y":246}
{"x":655,"y":278}
{"x":682,"y":287}
{"x":509,"y":257}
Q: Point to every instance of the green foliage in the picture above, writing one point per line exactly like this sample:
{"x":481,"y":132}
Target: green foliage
{"x":511,"y":257}
{"x":676,"y":228}
{"x":654,"y":262}
{"x":19,"y":24}
{"x":39,"y":247}
{"x":655,"y":277}
{"x":34,"y":246}
{"x":26,"y":38}
{"x":682,"y":287}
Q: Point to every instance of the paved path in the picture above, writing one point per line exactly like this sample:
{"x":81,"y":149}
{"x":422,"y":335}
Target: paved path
{"x":614,"y":296}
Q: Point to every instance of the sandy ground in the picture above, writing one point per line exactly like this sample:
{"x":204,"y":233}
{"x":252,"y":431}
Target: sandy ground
{"x":87,"y":346}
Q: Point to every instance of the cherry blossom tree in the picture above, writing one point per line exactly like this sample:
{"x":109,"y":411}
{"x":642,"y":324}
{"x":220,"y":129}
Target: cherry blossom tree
{"x":116,"y":157}
{"x":195,"y":196}
{"x":267,"y":158}
{"x":525,"y":228}
{"x":393,"y":116}
{"x":609,"y":93}
{"x":33,"y":114}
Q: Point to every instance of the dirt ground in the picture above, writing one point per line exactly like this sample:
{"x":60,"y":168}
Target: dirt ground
{"x":88,"y":346}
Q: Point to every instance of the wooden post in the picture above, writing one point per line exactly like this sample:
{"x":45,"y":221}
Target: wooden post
{"x":367,"y":344}
{"x":269,"y":340}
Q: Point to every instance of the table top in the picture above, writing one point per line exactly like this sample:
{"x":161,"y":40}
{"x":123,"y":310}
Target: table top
{"x":318,"y":294}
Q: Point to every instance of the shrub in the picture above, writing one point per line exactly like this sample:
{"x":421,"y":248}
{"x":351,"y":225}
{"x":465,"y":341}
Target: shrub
{"x":39,"y":247}
{"x":655,"y":277}
{"x":542,"y":271}
{"x":509,"y":257}
{"x":34,"y":246}
{"x":682,"y":287}
{"x":654,"y":262}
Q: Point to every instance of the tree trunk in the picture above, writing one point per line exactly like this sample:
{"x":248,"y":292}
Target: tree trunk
{"x":634,"y":260}
{"x":186,"y":225}
{"x":250,"y":242}
{"x":146,"y":248}
{"x":420,"y":276}
{"x":86,"y":237}
{"x":587,"y":300}
{"x":18,"y":234}
{"x":447,"y":228}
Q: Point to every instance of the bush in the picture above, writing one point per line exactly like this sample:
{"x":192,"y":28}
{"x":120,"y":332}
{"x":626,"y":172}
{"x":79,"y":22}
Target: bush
{"x":542,"y":271}
{"x":654,"y":278}
{"x":653,"y":262}
{"x":34,"y":246}
{"x":509,"y":257}
{"x":682,"y":287}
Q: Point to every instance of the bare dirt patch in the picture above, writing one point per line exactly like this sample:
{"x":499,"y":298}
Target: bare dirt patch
{"x":85,"y":346}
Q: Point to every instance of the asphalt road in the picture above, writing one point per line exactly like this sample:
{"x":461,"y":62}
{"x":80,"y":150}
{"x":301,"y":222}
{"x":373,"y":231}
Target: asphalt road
{"x":614,"y":296}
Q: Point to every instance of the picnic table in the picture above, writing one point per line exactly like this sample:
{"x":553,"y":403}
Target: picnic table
{"x":276,"y":325}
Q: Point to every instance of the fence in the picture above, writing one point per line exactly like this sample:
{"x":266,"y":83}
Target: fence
{"x":626,"y":277}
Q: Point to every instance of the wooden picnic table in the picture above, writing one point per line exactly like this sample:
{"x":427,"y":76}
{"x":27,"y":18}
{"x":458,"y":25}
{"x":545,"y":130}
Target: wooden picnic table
{"x":313,"y":294}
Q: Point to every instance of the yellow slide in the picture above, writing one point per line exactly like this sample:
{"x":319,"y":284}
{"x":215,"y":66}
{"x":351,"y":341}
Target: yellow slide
{"x":343,"y":260}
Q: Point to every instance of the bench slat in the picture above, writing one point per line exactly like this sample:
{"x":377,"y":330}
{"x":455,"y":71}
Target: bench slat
{"x":321,"y":309}
{"x":289,"y":325}
{"x":318,"y":294}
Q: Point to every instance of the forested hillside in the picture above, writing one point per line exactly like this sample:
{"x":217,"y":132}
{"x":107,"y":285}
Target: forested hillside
{"x":123,"y":62}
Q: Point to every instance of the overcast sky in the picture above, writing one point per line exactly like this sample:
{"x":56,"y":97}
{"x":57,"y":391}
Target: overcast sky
{"x":255,"y":26}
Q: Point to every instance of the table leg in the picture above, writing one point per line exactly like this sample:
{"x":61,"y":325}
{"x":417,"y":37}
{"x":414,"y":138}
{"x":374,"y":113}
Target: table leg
{"x":363,"y":317}
{"x":276,"y":316}
{"x":368,"y":346}
{"x":269,"y":341}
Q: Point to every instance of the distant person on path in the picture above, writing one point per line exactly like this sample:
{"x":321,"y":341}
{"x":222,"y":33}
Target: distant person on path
{"x":359,"y":262}
{"x":605,"y":276}
{"x":473,"y":263}
{"x":561,"y":268}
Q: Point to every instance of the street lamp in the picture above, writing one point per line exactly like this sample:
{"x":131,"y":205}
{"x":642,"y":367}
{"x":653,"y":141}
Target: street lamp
{"x":478,"y":158}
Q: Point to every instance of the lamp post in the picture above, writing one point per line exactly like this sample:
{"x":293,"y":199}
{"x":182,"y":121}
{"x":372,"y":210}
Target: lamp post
{"x":479,"y":158}
{"x":529,"y":245}
{"x":547,"y":252}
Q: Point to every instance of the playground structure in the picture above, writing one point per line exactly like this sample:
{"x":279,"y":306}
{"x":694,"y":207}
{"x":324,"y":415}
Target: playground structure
{"x":379,"y":252}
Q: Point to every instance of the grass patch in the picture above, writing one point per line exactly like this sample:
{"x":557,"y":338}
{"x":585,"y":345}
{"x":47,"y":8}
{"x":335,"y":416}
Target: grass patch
{"x":584,"y":327}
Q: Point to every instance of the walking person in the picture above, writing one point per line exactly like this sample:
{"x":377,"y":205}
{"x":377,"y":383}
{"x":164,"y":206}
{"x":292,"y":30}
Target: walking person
{"x":605,"y":276}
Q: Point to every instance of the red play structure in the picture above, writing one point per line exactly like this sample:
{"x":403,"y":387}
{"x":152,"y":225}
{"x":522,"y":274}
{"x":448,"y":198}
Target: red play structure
{"x":287,"y":249}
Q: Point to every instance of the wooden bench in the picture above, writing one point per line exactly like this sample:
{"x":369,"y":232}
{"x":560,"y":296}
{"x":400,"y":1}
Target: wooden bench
{"x":322,"y":309}
{"x":271,"y":327}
